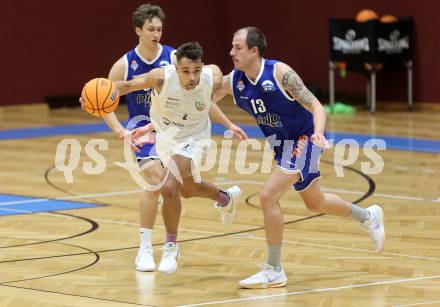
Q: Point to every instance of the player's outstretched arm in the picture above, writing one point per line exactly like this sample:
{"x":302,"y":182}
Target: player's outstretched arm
{"x":116,"y":74}
{"x":223,"y":89}
{"x":215,"y":112}
{"x":293,"y":84}
{"x":217,"y":76}
{"x":217,"y":115}
{"x":152,"y":79}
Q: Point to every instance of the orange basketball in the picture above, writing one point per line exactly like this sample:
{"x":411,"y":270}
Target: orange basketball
{"x":100,"y":97}
{"x":366,"y":15}
{"x":388,"y":19}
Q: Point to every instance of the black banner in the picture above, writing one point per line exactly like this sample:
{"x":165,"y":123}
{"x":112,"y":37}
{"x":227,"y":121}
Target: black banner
{"x":370,"y":42}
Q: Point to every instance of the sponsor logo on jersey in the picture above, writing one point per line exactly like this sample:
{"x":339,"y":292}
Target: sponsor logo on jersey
{"x":268,"y":86}
{"x":394,"y":45}
{"x":270,"y":119}
{"x":200,"y":106}
{"x":350,"y":45}
{"x":167,"y":122}
{"x":143,"y":98}
{"x":164,"y":63}
{"x":171,"y":103}
{"x":240,"y":85}
{"x":134,"y":65}
{"x":244,"y":97}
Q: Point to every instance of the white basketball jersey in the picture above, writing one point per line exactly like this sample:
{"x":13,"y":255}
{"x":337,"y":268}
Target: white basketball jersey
{"x":184,"y":111}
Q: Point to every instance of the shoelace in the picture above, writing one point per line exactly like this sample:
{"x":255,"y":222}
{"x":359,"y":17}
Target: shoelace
{"x":146,"y":251}
{"x":265,"y":270}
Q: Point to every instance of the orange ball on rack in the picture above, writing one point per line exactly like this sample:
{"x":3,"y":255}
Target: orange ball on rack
{"x":388,"y":19}
{"x":366,"y":15}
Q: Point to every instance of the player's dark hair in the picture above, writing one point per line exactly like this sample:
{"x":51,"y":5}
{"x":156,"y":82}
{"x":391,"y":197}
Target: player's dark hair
{"x":255,"y":38}
{"x":191,"y":50}
{"x":146,"y":12}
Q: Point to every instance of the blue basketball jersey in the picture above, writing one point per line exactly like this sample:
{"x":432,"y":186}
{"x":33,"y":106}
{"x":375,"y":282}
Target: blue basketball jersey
{"x":281,"y":116}
{"x":138,"y":102}
{"x":274,"y":110}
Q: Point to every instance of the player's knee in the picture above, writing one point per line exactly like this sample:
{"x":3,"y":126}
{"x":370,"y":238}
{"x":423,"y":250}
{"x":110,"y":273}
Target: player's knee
{"x":267,"y":199}
{"x":152,"y":194}
{"x":185,"y":192}
{"x":154,"y":178}
{"x":169,"y":190}
{"x":315,"y":205}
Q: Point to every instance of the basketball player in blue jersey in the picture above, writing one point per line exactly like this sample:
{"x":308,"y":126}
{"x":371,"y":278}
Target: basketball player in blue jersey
{"x":293,"y":121}
{"x":147,"y":55}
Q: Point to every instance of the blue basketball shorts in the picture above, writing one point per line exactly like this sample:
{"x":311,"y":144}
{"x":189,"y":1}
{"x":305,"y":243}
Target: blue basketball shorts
{"x":306,"y":163}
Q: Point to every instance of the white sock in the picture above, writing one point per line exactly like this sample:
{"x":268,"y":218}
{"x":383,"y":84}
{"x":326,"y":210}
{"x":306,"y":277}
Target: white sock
{"x":359,"y":213}
{"x":145,"y":234}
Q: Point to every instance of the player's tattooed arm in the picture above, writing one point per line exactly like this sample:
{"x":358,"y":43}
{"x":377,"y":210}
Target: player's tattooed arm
{"x":296,"y":88}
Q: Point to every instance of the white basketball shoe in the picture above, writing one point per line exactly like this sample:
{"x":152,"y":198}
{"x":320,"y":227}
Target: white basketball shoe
{"x":374,"y":226}
{"x":168,"y":262}
{"x":145,"y":260}
{"x":229,"y":212}
{"x":266,"y":278}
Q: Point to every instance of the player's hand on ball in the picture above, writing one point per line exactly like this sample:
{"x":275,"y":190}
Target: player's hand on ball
{"x":81,"y":102}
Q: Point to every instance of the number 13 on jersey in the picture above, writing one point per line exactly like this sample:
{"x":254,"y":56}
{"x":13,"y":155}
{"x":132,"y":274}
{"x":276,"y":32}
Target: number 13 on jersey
{"x":258,"y":106}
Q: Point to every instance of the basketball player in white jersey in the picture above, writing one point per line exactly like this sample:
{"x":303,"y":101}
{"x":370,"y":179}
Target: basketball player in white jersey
{"x":181,"y":100}
{"x":147,"y":55}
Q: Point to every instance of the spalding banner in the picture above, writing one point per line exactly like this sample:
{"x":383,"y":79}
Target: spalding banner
{"x":370,"y":42}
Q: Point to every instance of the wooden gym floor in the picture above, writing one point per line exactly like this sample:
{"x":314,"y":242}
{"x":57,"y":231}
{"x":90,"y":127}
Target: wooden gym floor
{"x":84,"y":257}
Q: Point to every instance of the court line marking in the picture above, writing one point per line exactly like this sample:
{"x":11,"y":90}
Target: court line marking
{"x":37,"y":200}
{"x":417,"y":304}
{"x":122,"y":223}
{"x":257,"y":238}
{"x":286,"y":241}
{"x":402,"y":197}
{"x":255,"y":182}
{"x":74,"y":295}
{"x":355,"y":249}
{"x":379,"y":283}
{"x":307,"y":291}
{"x":27,"y":201}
